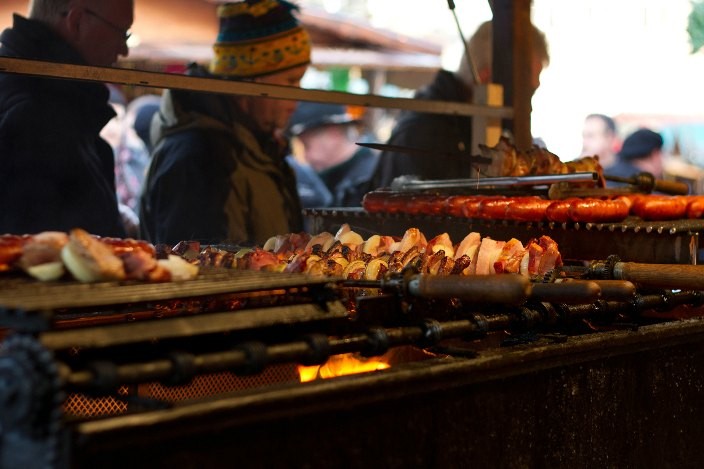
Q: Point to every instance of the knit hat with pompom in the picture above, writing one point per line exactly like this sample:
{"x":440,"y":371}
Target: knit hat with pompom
{"x":258,"y":37}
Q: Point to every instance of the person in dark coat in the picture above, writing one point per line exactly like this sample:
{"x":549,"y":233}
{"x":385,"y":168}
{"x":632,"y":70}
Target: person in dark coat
{"x":140,"y":112}
{"x":442,"y":134}
{"x":329,"y":134}
{"x":311,"y":189}
{"x":218,"y":172}
{"x":641,"y":152}
{"x":56,"y":173}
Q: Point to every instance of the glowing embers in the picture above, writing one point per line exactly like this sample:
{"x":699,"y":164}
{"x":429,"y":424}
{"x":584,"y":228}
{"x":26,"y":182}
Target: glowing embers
{"x":342,"y":365}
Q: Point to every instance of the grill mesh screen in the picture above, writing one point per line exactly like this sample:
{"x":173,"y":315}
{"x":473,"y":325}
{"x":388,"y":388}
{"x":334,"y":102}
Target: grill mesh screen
{"x":216,"y":383}
{"x":201,"y":386}
{"x":85,"y":406}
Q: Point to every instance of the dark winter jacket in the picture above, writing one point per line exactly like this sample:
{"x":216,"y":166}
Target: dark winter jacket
{"x":213,"y":179}
{"x":438,"y":133}
{"x":349,"y":181}
{"x":311,"y":189}
{"x":56,"y":173}
{"x":622,"y":168}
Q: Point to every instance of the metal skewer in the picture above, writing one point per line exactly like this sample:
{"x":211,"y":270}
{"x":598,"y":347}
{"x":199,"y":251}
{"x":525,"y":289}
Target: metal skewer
{"x":646,"y":182}
{"x":406,"y":183}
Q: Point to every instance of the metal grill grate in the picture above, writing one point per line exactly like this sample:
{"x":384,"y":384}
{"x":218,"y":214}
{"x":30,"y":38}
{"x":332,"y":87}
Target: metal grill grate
{"x":217,"y":383}
{"x":80,"y":405}
{"x":29,"y":295}
{"x":659,"y":242}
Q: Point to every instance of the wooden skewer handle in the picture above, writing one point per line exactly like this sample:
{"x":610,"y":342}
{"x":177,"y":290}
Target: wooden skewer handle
{"x":671,"y":187}
{"x":573,"y":292}
{"x":672,"y":276}
{"x":499,"y":289}
{"x":615,"y":289}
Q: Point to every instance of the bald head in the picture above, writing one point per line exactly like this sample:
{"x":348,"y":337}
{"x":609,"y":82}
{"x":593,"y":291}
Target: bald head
{"x":480,"y":47}
{"x":48,"y":11}
{"x":97,"y":30}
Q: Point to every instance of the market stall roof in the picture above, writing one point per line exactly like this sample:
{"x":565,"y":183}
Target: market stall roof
{"x":186,"y":30}
{"x":337,"y":42}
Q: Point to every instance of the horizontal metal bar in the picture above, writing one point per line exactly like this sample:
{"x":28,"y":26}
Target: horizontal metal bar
{"x":188,"y":326}
{"x":245,"y":88}
{"x":404,"y":183}
{"x":297,"y":350}
{"x":36,"y":296}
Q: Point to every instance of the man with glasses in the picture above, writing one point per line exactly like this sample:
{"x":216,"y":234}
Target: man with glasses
{"x":56,"y":173}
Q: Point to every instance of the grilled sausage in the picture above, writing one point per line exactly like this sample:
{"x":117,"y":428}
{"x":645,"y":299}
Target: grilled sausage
{"x":428,"y":204}
{"x":455,"y":204}
{"x":559,"y":210}
{"x":695,"y":206}
{"x":528,"y":209}
{"x":598,"y":211}
{"x":396,"y":203}
{"x":494,"y":208}
{"x":655,"y":207}
{"x":472,"y":206}
{"x":374,"y":201}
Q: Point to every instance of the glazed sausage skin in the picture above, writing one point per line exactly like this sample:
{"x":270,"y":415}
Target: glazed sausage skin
{"x":559,"y":210}
{"x":454,"y":205}
{"x":396,"y":203}
{"x":531,"y":208}
{"x":472,"y":207}
{"x":373,"y":202}
{"x":695,"y":206}
{"x":429,"y":204}
{"x":655,"y":207}
{"x":494,"y":208}
{"x":598,"y":211}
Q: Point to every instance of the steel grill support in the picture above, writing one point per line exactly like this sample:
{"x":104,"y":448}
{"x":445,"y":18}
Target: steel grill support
{"x":177,"y":352}
{"x":675,"y":242}
{"x":547,"y":405}
{"x":252,"y":357}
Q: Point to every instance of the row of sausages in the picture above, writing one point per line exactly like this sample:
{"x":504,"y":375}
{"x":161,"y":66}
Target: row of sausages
{"x":537,"y":209}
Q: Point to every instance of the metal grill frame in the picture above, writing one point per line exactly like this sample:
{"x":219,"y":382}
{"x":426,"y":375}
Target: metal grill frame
{"x":674,"y":242}
{"x":542,"y":405}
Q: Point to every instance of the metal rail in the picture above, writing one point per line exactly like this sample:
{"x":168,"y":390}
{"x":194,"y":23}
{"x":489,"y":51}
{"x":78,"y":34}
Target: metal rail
{"x":316,"y":348}
{"x":244,"y":88}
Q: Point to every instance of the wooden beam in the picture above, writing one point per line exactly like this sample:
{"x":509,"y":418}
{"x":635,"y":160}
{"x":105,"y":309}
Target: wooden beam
{"x":512,"y":52}
{"x":522,"y":73}
{"x":245,"y":88}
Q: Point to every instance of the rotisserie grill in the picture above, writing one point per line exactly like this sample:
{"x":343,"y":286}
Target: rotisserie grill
{"x":453,"y":349}
{"x":603,"y":368}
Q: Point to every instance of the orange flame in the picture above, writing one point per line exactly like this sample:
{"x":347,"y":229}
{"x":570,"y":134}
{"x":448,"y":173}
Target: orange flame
{"x":341,"y":365}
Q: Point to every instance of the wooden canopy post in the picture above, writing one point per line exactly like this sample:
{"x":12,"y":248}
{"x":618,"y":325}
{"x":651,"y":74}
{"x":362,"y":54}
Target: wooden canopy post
{"x":485,"y":129}
{"x":512,"y":60}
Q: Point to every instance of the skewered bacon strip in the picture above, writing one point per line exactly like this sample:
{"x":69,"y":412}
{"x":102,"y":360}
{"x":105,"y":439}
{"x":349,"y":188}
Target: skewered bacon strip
{"x":11,"y":250}
{"x":47,"y":256}
{"x":474,"y":255}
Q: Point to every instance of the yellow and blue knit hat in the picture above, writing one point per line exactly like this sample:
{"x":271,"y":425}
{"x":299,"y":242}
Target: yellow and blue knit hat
{"x":258,"y":37}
